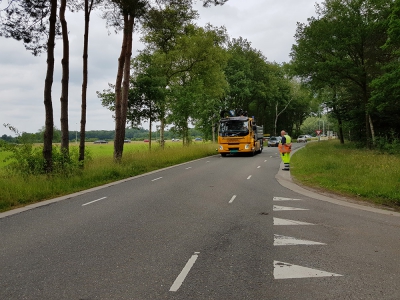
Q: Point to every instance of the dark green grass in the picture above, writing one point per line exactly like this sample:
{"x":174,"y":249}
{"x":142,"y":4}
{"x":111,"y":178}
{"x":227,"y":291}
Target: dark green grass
{"x":344,"y":169}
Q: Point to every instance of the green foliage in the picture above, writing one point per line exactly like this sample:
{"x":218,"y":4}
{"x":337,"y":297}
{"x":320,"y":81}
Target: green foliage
{"x":26,"y":159}
{"x":389,"y":143}
{"x":340,"y":55}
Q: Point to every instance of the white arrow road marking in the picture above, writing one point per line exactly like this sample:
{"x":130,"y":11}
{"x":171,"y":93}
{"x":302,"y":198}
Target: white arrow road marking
{"x":233,"y":198}
{"x":278,"y":221}
{"x":94,"y":201}
{"x":157,"y":179}
{"x":185,"y":271}
{"x":279,"y":208}
{"x":285,"y":199}
{"x":284,"y":270}
{"x":280,"y":240}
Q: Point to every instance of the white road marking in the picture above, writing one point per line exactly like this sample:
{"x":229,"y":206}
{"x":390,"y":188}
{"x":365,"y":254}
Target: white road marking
{"x":233,"y":198}
{"x":185,"y":271}
{"x":94,"y":201}
{"x":280,"y":208}
{"x":157,"y":179}
{"x":188,"y":168}
{"x":285,"y":199}
{"x":284,"y":270}
{"x":278,"y":221}
{"x":280,"y":240}
{"x":249,"y":177}
{"x":265,"y":160}
{"x":258,"y":167}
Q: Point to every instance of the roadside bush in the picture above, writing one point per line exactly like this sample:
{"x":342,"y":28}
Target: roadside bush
{"x":388,"y":144}
{"x":27,"y":159}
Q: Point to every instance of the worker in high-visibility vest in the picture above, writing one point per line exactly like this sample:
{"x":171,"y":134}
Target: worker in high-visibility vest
{"x":285,"y":146}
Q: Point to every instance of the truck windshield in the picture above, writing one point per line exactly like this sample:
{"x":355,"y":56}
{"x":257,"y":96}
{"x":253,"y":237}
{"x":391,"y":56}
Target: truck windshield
{"x":233,"y":128}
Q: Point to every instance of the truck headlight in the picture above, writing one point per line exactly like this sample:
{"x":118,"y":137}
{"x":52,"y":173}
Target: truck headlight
{"x":247,"y":146}
{"x":221,"y":147}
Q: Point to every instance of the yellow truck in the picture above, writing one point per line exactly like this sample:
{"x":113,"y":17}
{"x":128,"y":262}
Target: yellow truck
{"x":239,"y":133}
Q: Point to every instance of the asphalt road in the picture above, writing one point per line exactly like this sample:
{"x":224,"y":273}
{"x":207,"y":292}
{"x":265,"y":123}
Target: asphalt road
{"x":214,"y":228}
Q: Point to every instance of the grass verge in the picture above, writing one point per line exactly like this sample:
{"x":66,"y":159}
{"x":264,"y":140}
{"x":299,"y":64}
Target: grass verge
{"x":18,"y":191}
{"x":348,"y":171}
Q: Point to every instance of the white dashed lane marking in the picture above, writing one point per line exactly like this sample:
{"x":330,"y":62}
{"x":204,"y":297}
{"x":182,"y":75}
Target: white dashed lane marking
{"x":94,"y":201}
{"x":185,"y":271}
{"x":233,"y":198}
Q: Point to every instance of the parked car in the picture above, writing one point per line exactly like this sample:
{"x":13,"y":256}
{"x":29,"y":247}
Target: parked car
{"x":100,"y":142}
{"x":198,"y":139}
{"x":146,"y":140}
{"x":302,"y":139}
{"x":127,"y":141}
{"x":274,"y":141}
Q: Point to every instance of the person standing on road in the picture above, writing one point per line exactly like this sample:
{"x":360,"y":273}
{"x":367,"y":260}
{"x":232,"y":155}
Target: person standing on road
{"x":285,"y":146}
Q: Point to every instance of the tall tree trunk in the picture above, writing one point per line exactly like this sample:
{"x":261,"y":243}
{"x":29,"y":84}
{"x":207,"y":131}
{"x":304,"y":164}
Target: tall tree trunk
{"x":48,"y":104}
{"x":150,"y":125}
{"x":371,"y":125}
{"x":118,"y":143}
{"x":64,"y":83}
{"x":213,"y":131}
{"x":126,"y":80}
{"x":162,"y":126}
{"x":82,"y":137}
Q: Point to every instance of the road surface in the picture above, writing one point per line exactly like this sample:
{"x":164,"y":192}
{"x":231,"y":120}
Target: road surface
{"x":214,"y":228}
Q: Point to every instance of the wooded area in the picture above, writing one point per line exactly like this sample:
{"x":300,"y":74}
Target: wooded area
{"x":349,"y":57}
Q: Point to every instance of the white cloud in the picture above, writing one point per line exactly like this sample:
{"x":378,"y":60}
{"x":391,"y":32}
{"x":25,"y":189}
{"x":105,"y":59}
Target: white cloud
{"x":268,"y":25}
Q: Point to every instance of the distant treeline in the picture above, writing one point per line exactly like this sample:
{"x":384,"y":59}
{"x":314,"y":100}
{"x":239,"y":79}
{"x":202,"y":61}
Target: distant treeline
{"x":134,"y":134}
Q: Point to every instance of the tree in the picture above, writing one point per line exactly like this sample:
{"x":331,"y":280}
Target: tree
{"x":88,"y":6}
{"x":64,"y":82}
{"x":341,"y":49}
{"x":385,"y":94}
{"x":123,"y":14}
{"x":35,"y":23}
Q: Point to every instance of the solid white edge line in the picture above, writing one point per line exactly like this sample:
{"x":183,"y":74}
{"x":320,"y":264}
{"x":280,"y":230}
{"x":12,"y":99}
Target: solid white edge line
{"x":157,"y":179}
{"x":94,"y":201}
{"x":185,"y":271}
{"x":233,"y":198}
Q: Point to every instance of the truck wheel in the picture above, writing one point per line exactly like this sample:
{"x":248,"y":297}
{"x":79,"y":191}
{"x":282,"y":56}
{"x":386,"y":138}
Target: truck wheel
{"x":223,"y":154}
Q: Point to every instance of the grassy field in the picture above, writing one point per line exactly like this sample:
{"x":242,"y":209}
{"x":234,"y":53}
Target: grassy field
{"x":327,"y":165}
{"x":100,"y":169}
{"x":343,"y":169}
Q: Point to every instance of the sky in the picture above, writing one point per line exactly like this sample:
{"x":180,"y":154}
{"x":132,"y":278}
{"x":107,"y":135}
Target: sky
{"x":269,"y":25}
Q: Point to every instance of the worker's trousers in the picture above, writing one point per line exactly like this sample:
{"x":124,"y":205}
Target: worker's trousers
{"x":286,"y":160}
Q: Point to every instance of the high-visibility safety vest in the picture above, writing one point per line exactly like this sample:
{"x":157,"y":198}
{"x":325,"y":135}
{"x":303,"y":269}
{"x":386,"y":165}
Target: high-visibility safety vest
{"x":287,"y":147}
